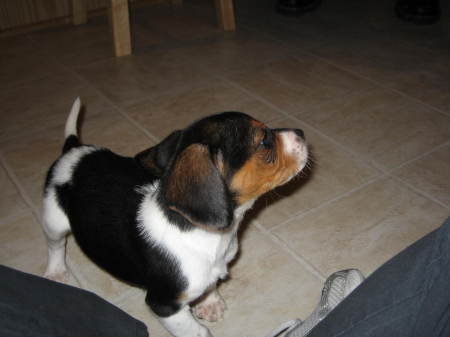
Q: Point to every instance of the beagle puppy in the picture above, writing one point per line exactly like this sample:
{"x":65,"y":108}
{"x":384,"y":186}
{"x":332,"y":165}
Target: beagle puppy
{"x":167,"y":219}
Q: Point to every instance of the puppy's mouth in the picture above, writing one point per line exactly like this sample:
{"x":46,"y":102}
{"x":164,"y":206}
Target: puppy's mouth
{"x":303,"y":156}
{"x":297,"y":148}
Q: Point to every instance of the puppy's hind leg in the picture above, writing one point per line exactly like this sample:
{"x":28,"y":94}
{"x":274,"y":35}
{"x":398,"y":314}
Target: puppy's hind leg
{"x":56,"y":227}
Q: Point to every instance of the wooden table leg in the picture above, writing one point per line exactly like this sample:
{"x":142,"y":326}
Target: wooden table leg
{"x":79,"y":12}
{"x":225,"y":14}
{"x":119,"y":18}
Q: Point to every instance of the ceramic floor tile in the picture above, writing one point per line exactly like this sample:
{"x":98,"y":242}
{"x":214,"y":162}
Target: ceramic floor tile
{"x":134,"y":304}
{"x":30,"y":163}
{"x":309,"y":32}
{"x":364,"y":229}
{"x":12,"y":203}
{"x":297,"y":84}
{"x":77,"y":45}
{"x":111,"y":130}
{"x":399,"y":57}
{"x":16,"y":44}
{"x":40,"y":105}
{"x":22,"y":60}
{"x":415,"y":71}
{"x":84,"y":44}
{"x":430,"y":85}
{"x":23,"y":244}
{"x":381,"y":126}
{"x":266,"y":288}
{"x":167,"y":113}
{"x":179,"y":23}
{"x":430,"y":174}
{"x":127,"y":79}
{"x":332,"y":173}
{"x":234,"y":51}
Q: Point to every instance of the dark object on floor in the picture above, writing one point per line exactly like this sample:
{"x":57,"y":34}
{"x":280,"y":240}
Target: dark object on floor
{"x":421,"y":12}
{"x":296,"y":7}
{"x":34,"y":306}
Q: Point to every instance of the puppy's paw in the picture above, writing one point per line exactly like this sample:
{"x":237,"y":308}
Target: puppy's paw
{"x":211,"y":309}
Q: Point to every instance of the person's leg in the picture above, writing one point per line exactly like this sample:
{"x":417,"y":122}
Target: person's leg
{"x":407,"y":296}
{"x":421,"y":12}
{"x":296,"y":7}
{"x":34,"y":306}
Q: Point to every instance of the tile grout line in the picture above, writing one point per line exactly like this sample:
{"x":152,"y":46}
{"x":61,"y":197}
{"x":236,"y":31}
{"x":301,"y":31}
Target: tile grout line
{"x":401,"y":93}
{"x":72,"y":270}
{"x":301,"y":214}
{"x":383,"y":172}
{"x":418,"y":191}
{"x":368,"y":161}
{"x":116,"y":107}
{"x":405,"y":95}
{"x":423,"y":155}
{"x":285,"y":247}
{"x":122,"y":297}
{"x":388,"y":174}
{"x":23,"y":194}
{"x":288,"y":115}
{"x":16,"y":215}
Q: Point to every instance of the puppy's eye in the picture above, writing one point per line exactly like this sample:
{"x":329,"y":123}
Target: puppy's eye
{"x":267,"y":141}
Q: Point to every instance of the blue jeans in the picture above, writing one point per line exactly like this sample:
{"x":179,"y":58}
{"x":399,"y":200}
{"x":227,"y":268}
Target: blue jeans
{"x":409,"y":296}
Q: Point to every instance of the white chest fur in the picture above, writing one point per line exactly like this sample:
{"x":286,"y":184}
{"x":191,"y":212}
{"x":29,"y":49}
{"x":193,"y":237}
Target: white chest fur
{"x":202,"y":255}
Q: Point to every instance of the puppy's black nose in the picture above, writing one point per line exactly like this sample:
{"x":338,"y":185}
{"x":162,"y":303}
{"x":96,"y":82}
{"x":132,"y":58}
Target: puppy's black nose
{"x":299,"y":133}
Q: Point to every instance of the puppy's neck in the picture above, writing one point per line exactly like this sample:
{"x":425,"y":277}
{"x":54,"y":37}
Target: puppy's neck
{"x":240,"y":211}
{"x":153,"y":208}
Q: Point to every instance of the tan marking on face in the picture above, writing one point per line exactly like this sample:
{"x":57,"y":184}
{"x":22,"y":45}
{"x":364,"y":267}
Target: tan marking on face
{"x":257,"y":176}
{"x":257,"y":124}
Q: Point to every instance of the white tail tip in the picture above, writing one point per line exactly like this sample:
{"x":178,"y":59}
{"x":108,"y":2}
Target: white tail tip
{"x":71,"y":123}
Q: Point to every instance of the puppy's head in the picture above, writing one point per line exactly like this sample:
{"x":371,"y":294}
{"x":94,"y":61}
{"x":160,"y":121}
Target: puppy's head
{"x":219,"y":163}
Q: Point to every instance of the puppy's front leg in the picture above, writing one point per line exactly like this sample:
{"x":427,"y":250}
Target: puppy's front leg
{"x":183,"y":324}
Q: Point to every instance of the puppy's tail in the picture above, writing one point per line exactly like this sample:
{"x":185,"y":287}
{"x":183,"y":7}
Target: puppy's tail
{"x":70,"y":132}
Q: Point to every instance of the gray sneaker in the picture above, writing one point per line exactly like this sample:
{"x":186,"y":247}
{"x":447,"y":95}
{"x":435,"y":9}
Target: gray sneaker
{"x":337,"y":287}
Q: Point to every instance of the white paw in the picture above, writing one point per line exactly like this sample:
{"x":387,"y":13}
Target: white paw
{"x":212,"y":309}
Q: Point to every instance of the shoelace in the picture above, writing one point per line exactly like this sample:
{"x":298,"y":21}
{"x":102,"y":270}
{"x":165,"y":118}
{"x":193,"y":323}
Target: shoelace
{"x":338,"y":286}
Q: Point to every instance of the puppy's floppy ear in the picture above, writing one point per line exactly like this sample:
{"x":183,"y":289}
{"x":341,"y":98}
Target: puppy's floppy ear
{"x":157,"y":158}
{"x":195,"y":189}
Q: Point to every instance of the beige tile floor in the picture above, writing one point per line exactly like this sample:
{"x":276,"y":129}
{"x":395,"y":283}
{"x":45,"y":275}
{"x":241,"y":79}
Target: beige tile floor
{"x":371,"y":93}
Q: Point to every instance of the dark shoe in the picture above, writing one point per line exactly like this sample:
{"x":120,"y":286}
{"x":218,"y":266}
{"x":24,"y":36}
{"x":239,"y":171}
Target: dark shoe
{"x":421,"y":12}
{"x":296,"y":7}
